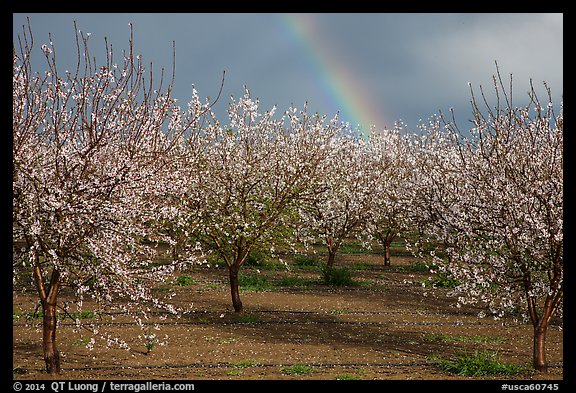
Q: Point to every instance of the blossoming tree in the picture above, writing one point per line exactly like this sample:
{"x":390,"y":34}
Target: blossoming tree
{"x":344,"y":190}
{"x":90,"y":148}
{"x":495,"y":198}
{"x":248,"y":179}
{"x":391,"y":203}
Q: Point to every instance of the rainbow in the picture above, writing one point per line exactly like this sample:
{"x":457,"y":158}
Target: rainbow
{"x":337,"y":79}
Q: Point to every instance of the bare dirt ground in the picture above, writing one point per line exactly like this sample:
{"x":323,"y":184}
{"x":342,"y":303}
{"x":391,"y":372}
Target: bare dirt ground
{"x":389,"y":328}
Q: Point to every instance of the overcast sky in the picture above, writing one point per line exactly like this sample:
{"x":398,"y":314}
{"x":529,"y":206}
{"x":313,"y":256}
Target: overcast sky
{"x":372,"y":68}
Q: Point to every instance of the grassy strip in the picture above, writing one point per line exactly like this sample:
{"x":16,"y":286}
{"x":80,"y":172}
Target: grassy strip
{"x":17,"y":315}
{"x":478,"y":364}
{"x":297,"y":369}
{"x":468,"y":339}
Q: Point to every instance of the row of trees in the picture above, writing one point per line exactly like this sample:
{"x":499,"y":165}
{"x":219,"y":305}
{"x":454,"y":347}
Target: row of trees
{"x":494,"y":199}
{"x":104,"y":161}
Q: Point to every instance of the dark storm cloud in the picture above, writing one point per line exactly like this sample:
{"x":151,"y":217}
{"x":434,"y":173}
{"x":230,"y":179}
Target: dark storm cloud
{"x":414,"y":64}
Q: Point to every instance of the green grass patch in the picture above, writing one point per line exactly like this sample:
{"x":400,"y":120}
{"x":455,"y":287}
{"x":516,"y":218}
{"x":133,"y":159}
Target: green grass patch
{"x":17,"y":315}
{"x":83,"y":315}
{"x":258,"y":282}
{"x":255,"y":258}
{"x":306,"y":262}
{"x":82,"y":341}
{"x":184,"y":280}
{"x":297,"y":369}
{"x":479,"y":364}
{"x":262,"y":260}
{"x":338,"y":277}
{"x":467,"y":339}
{"x":254,"y":282}
{"x":416,"y":267}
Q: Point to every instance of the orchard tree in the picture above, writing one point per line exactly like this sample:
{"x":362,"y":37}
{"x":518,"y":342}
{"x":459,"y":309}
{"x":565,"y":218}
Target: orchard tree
{"x":344,"y":190}
{"x":495,"y":198}
{"x":90,"y":149}
{"x":391,"y":203}
{"x":250,"y":176}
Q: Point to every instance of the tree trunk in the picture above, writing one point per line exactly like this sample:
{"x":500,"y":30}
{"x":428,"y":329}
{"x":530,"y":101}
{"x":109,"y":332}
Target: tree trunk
{"x":48,"y":301}
{"x":387,"y":240}
{"x":236,"y":302}
{"x":540,"y":362}
{"x":387,"y":253}
{"x":51,"y":354}
{"x":540,"y":321}
{"x":331,"y":258}
{"x":332,"y":250}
